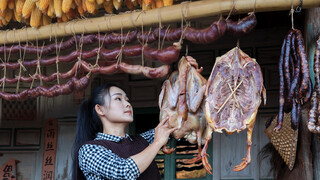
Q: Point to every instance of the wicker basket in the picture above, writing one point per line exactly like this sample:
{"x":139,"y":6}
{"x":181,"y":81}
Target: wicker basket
{"x":285,"y":141}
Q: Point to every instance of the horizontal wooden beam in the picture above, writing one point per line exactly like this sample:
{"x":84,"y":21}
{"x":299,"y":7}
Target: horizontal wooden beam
{"x":188,"y":10}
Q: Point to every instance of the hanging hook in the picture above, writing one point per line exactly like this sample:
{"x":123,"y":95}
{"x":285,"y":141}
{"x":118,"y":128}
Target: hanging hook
{"x":299,"y":7}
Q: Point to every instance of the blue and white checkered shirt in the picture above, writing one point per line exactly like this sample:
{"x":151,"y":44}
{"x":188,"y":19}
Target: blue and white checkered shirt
{"x":98,"y":162}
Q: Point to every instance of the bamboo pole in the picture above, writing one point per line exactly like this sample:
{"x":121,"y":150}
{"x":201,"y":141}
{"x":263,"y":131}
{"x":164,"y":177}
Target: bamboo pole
{"x":187,"y":10}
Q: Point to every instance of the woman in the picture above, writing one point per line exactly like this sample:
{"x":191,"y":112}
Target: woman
{"x":102,"y":149}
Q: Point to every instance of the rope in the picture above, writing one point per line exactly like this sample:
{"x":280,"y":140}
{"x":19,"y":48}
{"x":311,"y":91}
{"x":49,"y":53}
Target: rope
{"x":57,"y":59}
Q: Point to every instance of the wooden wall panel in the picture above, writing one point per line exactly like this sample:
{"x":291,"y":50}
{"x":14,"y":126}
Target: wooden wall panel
{"x":144,"y":93}
{"x":66,"y":135}
{"x":26,"y":168}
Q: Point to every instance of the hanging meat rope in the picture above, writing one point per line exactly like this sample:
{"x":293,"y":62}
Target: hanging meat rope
{"x":295,"y":84}
{"x":314,"y":122}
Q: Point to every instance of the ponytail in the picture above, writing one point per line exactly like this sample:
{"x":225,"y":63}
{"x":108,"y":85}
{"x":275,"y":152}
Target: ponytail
{"x":88,"y":121}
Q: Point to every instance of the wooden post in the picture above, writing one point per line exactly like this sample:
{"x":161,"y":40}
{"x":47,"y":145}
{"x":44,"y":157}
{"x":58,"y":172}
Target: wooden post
{"x":188,"y":10}
{"x":312,"y":33}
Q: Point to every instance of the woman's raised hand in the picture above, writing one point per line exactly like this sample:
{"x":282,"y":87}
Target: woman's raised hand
{"x":162,"y":132}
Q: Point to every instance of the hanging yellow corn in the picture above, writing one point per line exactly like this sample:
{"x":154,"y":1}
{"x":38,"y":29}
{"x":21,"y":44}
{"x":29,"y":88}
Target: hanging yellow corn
{"x":17,"y":16}
{"x":3,"y":5}
{"x":117,"y":4}
{"x":46,"y":20}
{"x":167,"y":2}
{"x":27,"y":8}
{"x":84,"y":7}
{"x":35,"y":18}
{"x":50,"y":11}
{"x":147,"y":3}
{"x":19,"y":6}
{"x":72,"y":14}
{"x":145,"y":7}
{"x":153,"y":4}
{"x":58,"y":8}
{"x":135,"y":3}
{"x":159,"y":3}
{"x":64,"y":17}
{"x":9,"y":15}
{"x":130,"y":5}
{"x":81,"y":11}
{"x":78,"y":2}
{"x":66,"y":5}
{"x":26,"y":21}
{"x":4,"y":22}
{"x":92,"y":1}
{"x":44,"y":4}
{"x":2,"y":14}
{"x":11,"y":4}
{"x":100,"y":2}
{"x":108,"y":6}
{"x":91,"y":6}
{"x":73,"y":5}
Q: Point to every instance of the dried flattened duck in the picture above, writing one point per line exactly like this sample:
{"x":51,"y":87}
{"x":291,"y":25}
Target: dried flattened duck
{"x":233,"y":96}
{"x":194,"y":128}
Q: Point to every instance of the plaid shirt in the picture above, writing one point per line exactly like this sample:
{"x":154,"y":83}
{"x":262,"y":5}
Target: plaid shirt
{"x":98,"y":162}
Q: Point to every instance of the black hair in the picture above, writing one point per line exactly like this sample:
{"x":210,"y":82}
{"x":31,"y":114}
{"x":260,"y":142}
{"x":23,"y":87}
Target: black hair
{"x":88,"y":121}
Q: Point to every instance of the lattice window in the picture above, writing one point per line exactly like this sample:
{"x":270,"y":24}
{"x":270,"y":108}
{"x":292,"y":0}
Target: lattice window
{"x":19,"y":110}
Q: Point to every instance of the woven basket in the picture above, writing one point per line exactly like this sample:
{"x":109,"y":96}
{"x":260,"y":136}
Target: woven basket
{"x":285,"y":141}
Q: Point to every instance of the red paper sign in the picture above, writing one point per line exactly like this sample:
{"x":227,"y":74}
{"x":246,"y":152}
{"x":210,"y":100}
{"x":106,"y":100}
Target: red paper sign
{"x":50,"y":148}
{"x":8,"y":170}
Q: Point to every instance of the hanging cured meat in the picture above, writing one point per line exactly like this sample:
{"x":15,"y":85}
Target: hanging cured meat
{"x":194,"y":128}
{"x":295,"y":83}
{"x":233,"y":96}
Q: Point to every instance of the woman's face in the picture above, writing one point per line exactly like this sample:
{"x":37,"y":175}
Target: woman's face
{"x":117,"y":108}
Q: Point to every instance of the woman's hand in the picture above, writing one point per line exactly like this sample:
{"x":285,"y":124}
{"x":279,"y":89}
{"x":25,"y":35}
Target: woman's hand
{"x":161,"y":136}
{"x":162,"y":132}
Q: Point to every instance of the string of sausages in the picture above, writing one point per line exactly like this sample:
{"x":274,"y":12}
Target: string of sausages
{"x":295,"y":84}
{"x":149,"y":72}
{"x":314,"y":122}
{"x":198,"y":36}
{"x":167,"y":55}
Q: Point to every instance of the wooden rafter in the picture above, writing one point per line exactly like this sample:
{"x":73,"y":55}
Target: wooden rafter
{"x":188,"y":10}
